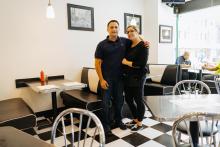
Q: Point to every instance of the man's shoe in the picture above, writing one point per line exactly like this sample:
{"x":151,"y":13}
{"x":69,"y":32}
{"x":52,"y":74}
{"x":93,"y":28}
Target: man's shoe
{"x":136,"y":128}
{"x":122,"y":126}
{"x":130,"y":124}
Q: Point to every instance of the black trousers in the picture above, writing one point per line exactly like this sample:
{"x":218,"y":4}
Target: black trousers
{"x":134,"y":99}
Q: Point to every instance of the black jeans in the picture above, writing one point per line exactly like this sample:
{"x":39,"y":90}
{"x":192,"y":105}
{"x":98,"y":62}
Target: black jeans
{"x":113,"y":94}
{"x":134,"y":99}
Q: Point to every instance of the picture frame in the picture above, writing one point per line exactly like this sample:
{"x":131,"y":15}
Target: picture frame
{"x":80,"y":17}
{"x":165,"y":34}
{"x":127,"y":21}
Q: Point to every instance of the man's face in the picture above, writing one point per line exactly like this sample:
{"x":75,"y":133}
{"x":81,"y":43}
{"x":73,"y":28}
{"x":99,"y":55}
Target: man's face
{"x":113,"y":29}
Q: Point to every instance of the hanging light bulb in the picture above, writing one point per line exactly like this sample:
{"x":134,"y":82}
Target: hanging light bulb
{"x":133,"y":21}
{"x":50,"y":11}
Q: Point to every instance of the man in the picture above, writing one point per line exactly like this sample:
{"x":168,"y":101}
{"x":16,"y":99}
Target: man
{"x":184,"y":60}
{"x":108,"y":57}
{"x":184,"y":63}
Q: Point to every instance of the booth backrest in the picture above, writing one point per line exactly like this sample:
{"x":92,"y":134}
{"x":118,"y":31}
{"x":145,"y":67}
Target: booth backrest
{"x":90,"y":77}
{"x":168,"y":74}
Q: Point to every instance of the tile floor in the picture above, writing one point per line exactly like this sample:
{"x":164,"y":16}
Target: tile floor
{"x":154,"y":134}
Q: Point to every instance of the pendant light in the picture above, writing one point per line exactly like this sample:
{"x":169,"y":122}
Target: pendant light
{"x":133,"y":21}
{"x":50,"y":11}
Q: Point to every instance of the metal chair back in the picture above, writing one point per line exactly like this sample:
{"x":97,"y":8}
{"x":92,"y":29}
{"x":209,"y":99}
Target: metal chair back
{"x":213,"y":81}
{"x":191,"y":87}
{"x":81,"y":138}
{"x":185,"y":120}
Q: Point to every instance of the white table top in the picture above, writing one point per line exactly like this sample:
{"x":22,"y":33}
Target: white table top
{"x":170,"y":107}
{"x":55,"y":85}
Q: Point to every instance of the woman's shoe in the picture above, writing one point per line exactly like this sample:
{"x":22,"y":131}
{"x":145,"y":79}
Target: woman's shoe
{"x":136,"y":128}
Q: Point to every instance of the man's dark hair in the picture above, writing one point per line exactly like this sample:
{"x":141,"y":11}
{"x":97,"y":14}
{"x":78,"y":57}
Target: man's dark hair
{"x":112,"y":21}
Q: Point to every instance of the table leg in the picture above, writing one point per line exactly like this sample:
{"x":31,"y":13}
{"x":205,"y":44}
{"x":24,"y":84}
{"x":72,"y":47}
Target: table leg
{"x":200,"y":75}
{"x":54,"y":104}
{"x":194,"y":131}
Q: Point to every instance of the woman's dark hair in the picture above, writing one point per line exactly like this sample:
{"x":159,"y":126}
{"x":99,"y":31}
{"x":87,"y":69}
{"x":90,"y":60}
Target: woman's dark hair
{"x":112,"y":21}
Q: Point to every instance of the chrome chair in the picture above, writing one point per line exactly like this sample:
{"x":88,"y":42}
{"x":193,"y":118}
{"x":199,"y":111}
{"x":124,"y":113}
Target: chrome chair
{"x":68,"y":114}
{"x":217,"y":84}
{"x":190,"y":87}
{"x":213,"y":81}
{"x":201,"y":118}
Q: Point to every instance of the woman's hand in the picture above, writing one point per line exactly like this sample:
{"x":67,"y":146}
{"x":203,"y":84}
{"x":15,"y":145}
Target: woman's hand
{"x":124,"y":61}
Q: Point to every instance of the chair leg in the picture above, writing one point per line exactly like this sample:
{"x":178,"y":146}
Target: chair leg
{"x":214,"y":140}
{"x":207,"y":140}
{"x":179,"y":137}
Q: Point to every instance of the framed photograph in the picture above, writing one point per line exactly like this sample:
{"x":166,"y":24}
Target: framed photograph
{"x":80,"y":17}
{"x":165,"y":34}
{"x":127,"y":21}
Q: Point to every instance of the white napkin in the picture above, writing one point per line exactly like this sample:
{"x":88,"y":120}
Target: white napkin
{"x":47,"y":87}
{"x":75,"y":84}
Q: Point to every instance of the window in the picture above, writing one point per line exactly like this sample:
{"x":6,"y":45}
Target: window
{"x":199,"y":33}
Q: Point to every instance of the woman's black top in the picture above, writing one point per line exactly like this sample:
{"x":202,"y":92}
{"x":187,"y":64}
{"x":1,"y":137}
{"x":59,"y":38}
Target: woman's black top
{"x":138,"y":55}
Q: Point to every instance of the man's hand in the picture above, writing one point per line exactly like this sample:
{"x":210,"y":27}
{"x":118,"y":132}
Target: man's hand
{"x":185,"y":65}
{"x":104,"y":84}
{"x":205,"y":66}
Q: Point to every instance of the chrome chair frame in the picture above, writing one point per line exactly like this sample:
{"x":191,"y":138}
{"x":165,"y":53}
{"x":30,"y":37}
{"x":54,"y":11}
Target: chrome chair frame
{"x":196,"y":116}
{"x":81,"y":112}
{"x":216,"y":82}
{"x":194,"y":87}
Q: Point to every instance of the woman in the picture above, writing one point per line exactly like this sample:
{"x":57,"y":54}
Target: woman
{"x":135,"y":69}
{"x":209,"y":67}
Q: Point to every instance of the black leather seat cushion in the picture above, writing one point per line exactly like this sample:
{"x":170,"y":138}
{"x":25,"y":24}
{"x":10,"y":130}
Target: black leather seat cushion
{"x":157,"y":89}
{"x":206,"y":128}
{"x":81,"y":99}
{"x":15,"y":112}
{"x":88,"y":100}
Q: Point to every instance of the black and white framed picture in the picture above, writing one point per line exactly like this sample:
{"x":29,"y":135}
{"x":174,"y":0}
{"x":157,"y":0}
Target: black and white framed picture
{"x":132,"y":19}
{"x":80,"y":17}
{"x":165,"y":34}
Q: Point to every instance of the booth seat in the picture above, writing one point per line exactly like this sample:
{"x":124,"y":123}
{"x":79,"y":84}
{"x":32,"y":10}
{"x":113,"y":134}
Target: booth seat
{"x":16,"y":113}
{"x":161,"y":79}
{"x":88,"y":98}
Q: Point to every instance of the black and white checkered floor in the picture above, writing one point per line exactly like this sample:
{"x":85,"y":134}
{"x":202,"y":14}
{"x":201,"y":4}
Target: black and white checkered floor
{"x":154,"y":134}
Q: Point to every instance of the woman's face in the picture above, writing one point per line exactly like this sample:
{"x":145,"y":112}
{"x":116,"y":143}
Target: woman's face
{"x":132,"y":33}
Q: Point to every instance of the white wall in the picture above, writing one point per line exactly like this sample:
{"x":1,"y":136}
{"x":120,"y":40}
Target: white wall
{"x":151,"y":28}
{"x":166,"y":51}
{"x":29,"y":42}
{"x":157,"y":13}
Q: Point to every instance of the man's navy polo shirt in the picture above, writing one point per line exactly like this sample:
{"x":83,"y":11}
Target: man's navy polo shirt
{"x":112,"y":53}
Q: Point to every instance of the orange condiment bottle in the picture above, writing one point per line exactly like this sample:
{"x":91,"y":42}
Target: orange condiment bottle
{"x":42,"y":77}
